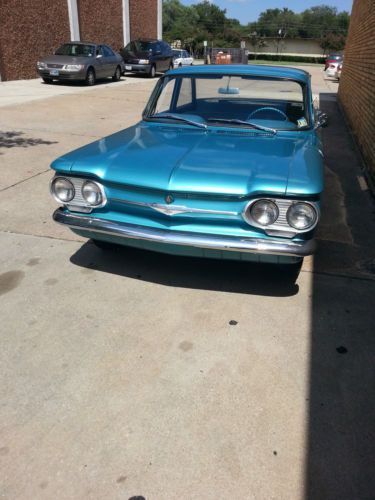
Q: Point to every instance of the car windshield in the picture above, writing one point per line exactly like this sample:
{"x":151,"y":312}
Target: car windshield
{"x":139,"y":46}
{"x":75,"y":49}
{"x":231,"y":101}
{"x":177,"y":53}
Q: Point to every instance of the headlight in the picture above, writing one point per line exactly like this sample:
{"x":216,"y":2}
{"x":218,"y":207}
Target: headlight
{"x":62,"y":189}
{"x":264,"y":212}
{"x":92,"y":193}
{"x":73,"y":67}
{"x":301,"y":215}
{"x":144,"y":61}
{"x":41,"y":64}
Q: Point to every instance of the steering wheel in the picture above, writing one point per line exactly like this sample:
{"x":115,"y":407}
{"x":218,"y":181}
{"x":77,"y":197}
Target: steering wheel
{"x":268,"y":108}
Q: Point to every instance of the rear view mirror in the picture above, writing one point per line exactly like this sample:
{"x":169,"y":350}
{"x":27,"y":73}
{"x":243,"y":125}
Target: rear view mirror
{"x":229,"y":90}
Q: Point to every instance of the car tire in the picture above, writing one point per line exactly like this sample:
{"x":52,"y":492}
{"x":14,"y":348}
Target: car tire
{"x":117,"y":76}
{"x":90,"y":77}
{"x":180,"y":65}
{"x":47,"y":80}
{"x":104,"y":245}
{"x":152,"y":72}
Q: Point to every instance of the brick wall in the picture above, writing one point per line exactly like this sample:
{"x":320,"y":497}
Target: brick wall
{"x":143,"y":18}
{"x":101,"y":22}
{"x":29,"y":30}
{"x":357,"y":85}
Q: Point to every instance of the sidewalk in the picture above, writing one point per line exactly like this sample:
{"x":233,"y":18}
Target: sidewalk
{"x":22,"y":91}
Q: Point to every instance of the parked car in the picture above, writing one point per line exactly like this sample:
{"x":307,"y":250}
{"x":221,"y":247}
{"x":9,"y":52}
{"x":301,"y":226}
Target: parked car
{"x":332,"y":58}
{"x":182,"y":58}
{"x":332,"y":69}
{"x":338,"y":72}
{"x":225,"y":163}
{"x":147,"y":57}
{"x":81,"y":61}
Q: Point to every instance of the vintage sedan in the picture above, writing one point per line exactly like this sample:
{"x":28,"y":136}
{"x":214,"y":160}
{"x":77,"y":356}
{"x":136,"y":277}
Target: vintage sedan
{"x":225,"y":163}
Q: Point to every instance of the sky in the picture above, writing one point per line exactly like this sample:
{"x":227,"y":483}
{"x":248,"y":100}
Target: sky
{"x":249,"y":10}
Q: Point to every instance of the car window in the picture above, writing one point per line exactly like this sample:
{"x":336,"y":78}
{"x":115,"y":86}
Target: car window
{"x":185,"y":54}
{"x":165,"y":99}
{"x":99,"y":50}
{"x":233,"y":97}
{"x":75,"y":49}
{"x":108,"y":52}
{"x":185,"y":95}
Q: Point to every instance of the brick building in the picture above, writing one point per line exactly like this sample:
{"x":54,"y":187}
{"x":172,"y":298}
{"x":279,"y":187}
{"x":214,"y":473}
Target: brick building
{"x":32,"y":29}
{"x":357,"y":84}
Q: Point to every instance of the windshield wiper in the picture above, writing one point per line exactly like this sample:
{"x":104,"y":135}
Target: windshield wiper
{"x":243,"y":122}
{"x":179,"y":118}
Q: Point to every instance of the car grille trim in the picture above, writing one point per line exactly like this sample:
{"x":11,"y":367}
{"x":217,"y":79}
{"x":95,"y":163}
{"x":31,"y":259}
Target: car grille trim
{"x":176,"y":209}
{"x":56,"y":66}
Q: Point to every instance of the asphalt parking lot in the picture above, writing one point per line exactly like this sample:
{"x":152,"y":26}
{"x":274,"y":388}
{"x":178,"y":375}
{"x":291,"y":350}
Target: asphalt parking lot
{"x":137,"y":374}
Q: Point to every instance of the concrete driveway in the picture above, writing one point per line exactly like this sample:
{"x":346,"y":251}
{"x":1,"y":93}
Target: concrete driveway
{"x":132,"y":374}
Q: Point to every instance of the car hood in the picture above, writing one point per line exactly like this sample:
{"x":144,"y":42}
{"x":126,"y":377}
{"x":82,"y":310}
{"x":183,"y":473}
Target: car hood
{"x":66,"y":60}
{"x":133,"y":54}
{"x":217,"y":161}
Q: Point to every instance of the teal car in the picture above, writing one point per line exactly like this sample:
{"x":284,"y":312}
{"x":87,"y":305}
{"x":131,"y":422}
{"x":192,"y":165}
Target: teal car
{"x":226,"y":163}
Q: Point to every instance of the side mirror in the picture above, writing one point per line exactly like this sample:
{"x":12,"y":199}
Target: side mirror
{"x":321,"y":120}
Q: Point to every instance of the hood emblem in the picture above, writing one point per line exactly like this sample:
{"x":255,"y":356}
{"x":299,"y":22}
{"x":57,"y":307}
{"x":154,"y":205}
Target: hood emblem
{"x":169,"y":199}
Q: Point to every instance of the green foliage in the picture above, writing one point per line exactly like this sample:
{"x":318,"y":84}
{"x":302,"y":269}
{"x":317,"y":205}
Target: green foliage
{"x":206,"y":21}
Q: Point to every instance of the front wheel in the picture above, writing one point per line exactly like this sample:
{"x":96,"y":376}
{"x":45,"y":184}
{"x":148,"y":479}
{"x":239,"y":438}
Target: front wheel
{"x":116,"y":77}
{"x":90,"y":77}
{"x":47,"y":80}
{"x":152,"y":72}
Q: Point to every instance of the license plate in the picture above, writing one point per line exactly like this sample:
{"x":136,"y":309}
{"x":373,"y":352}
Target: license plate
{"x":54,"y":72}
{"x":129,"y":68}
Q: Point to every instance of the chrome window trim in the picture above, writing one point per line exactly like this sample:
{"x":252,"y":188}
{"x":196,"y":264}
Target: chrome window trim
{"x":281,"y":223}
{"x":78,"y":201}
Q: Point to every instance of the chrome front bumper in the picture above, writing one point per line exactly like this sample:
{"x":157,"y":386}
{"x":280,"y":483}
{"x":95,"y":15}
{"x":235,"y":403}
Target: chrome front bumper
{"x":184,"y":238}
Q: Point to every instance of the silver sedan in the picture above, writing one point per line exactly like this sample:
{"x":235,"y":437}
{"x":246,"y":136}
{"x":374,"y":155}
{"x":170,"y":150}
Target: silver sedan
{"x":78,"y":61}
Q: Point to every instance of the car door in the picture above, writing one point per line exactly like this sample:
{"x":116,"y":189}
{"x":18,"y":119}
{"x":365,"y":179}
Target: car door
{"x":99,"y":62}
{"x":158,"y":57}
{"x":110,"y":60}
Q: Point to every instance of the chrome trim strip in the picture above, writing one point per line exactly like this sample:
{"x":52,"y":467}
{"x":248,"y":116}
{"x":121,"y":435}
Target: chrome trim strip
{"x":214,"y":242}
{"x":174,"y":209}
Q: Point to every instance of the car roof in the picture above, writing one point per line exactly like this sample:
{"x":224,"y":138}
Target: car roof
{"x":242,"y":69}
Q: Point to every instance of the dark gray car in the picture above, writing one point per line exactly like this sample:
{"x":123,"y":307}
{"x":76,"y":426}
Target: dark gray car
{"x":81,"y":61}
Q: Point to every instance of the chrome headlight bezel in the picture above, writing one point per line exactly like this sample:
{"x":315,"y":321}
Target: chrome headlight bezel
{"x":271,"y":206}
{"x":281,"y":226}
{"x":53,"y":190}
{"x":312,"y":210}
{"x":78,"y":203}
{"x":98,"y":191}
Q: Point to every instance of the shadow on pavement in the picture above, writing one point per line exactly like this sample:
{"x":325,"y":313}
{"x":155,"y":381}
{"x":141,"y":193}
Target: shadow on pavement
{"x":186,"y":272}
{"x":341,"y":416}
{"x":15,"y":140}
